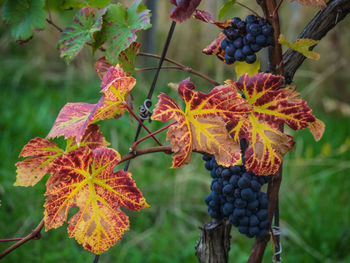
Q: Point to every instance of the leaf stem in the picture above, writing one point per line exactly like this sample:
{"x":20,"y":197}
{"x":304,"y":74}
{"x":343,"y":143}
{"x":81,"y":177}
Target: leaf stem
{"x":48,"y":20}
{"x":276,"y":9}
{"x":186,"y":69}
{"x":151,"y":134}
{"x":142,"y":124}
{"x":35,"y":234}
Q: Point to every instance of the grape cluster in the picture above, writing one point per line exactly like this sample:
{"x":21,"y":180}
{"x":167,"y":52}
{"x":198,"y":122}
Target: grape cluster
{"x":245,"y":38}
{"x":236,"y":195}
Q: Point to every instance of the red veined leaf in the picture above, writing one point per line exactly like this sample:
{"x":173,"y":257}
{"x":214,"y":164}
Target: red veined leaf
{"x":42,"y":152}
{"x":208,"y":18}
{"x":183,"y":9}
{"x":74,"y":118}
{"x":201,"y":126}
{"x":85,"y":179}
{"x":214,"y":47}
{"x":271,"y":107}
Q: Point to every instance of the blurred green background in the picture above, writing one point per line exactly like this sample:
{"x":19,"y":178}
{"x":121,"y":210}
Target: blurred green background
{"x":314,"y":198}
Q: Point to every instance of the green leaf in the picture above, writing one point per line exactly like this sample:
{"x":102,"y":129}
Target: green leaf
{"x":301,"y":45}
{"x":79,"y":32}
{"x":242,"y":68}
{"x":68,"y":4}
{"x":224,"y":9}
{"x":119,"y":28}
{"x":127,"y":57}
{"x":24,"y":16}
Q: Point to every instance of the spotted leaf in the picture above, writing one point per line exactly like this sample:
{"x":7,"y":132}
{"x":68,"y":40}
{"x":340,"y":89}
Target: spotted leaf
{"x":208,"y":18}
{"x":85,"y":179}
{"x":42,"y":152}
{"x":74,"y":118}
{"x":79,"y":32}
{"x":301,"y":45}
{"x":201,"y":126}
{"x":119,"y":28}
{"x":271,"y":107}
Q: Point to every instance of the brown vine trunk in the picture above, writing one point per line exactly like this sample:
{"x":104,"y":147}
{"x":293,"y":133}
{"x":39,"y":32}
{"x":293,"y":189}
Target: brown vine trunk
{"x":214,"y":243}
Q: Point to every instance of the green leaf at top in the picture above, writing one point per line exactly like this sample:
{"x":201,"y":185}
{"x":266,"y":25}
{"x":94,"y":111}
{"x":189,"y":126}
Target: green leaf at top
{"x":24,"y":16}
{"x":119,"y":28}
{"x":67,"y":4}
{"x":79,"y":32}
{"x":224,"y":9}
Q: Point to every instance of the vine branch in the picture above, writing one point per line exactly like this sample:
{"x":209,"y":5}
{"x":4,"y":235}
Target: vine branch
{"x":179,"y":67}
{"x":317,"y":28}
{"x":35,"y":234}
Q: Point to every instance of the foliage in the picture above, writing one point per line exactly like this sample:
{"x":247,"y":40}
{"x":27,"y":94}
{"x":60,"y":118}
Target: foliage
{"x":254,"y":108}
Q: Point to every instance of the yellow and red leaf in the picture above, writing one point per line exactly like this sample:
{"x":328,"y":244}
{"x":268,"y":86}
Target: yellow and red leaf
{"x":42,"y":152}
{"x":74,"y":118}
{"x":301,"y":45}
{"x":201,"y":126}
{"x":85,"y":179}
{"x":271,"y":107}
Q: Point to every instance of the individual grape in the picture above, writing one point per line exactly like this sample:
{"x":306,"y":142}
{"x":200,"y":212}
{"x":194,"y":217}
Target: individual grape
{"x":254,"y":184}
{"x":244,"y":221}
{"x":240,"y":203}
{"x":239,"y":56}
{"x":208,"y":166}
{"x":213,"y":173}
{"x":229,"y":59}
{"x":208,"y":198}
{"x":262,"y":233}
{"x":255,"y":47}
{"x":247,"y":194}
{"x":261,"y":40}
{"x":243,"y":182}
{"x":254,"y":230}
{"x":247,"y":50}
{"x":231,"y":33}
{"x":241,"y":27}
{"x":267,"y":30}
{"x":238,"y":43}
{"x":262,"y":214}
{"x":234,"y":180}
{"x":212,"y":204}
{"x":251,"y":59}
{"x":227,"y":208}
{"x":226,"y":174}
{"x":251,"y":19}
{"x":224,"y":44}
{"x":216,"y":187}
{"x":254,"y":29}
{"x":264,"y":224}
{"x":236,"y":20}
{"x":253,"y":220}
{"x":243,"y":229}
{"x":240,"y":212}
{"x":250,"y":38}
{"x":230,"y":50}
{"x":253,"y":205}
{"x":235,"y":169}
{"x":227,"y":190}
{"x":218,"y":171}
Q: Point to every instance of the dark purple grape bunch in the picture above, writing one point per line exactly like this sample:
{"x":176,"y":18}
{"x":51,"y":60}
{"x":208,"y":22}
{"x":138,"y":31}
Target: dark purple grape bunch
{"x":245,"y":38}
{"x":235,"y":194}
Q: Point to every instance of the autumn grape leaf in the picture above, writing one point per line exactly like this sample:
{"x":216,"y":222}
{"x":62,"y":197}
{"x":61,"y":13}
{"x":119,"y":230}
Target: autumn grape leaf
{"x":214,"y":47}
{"x":119,"y":28}
{"x":42,"y":152}
{"x":126,"y":60}
{"x":271,"y":107}
{"x":24,"y":17}
{"x":85,"y":179}
{"x":322,"y":4}
{"x":201,"y":126}
{"x":242,"y":68}
{"x":301,"y":45}
{"x":79,"y":32}
{"x":208,"y":18}
{"x":74,"y":118}
{"x":183,"y":10}
{"x":225,"y":8}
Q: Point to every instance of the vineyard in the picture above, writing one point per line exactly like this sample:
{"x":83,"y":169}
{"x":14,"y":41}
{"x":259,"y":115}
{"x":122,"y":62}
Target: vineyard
{"x":141,"y":131}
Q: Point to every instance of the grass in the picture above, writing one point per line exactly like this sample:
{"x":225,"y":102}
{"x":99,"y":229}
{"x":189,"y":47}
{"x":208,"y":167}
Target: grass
{"x":315,"y":215}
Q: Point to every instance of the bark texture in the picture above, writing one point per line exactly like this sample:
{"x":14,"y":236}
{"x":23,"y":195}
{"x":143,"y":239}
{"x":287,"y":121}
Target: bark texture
{"x":214,"y":243}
